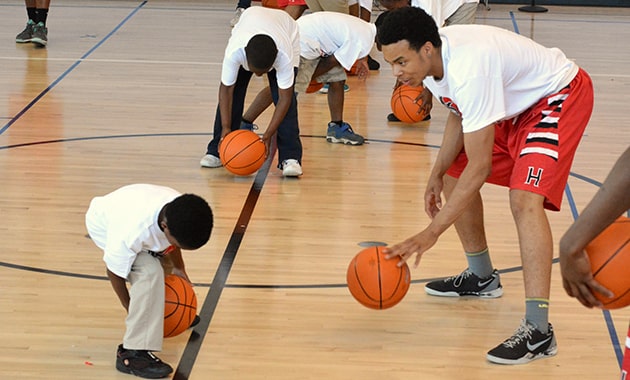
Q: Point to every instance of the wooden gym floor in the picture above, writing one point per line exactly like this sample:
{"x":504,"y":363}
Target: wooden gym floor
{"x":126,"y":93}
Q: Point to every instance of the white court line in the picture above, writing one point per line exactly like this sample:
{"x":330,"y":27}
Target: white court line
{"x":113,"y":61}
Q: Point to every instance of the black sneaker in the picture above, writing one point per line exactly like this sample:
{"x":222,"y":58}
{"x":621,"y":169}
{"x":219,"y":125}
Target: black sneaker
{"x":391,"y":117}
{"x":373,"y":64}
{"x":141,"y":363}
{"x":466,"y":284}
{"x":195,"y":322}
{"x":527,"y":344}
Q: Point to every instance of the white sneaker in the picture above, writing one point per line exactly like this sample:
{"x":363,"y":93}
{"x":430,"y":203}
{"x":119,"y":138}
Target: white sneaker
{"x":237,"y":16}
{"x":291,"y":168}
{"x":210,"y":161}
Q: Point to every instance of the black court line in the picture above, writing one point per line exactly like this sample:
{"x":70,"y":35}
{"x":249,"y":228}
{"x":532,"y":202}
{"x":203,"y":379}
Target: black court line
{"x":182,"y":372}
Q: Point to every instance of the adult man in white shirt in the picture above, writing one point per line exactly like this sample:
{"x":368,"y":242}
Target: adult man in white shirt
{"x":518,"y":112}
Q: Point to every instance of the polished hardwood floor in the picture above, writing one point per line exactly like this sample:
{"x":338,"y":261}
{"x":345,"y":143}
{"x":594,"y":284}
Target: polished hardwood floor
{"x":125,"y":92}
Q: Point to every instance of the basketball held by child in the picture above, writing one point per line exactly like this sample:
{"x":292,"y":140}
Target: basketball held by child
{"x":314,"y":86}
{"x":609,"y":254}
{"x":242,"y":152}
{"x":405,"y":106}
{"x":180,"y":307}
{"x":376,"y":282}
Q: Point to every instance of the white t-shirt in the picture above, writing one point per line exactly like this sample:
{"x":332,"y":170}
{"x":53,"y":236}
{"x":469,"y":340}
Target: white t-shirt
{"x":346,"y":37}
{"x":440,"y":10}
{"x":275,"y":23}
{"x":125,"y":222}
{"x":492,"y":74}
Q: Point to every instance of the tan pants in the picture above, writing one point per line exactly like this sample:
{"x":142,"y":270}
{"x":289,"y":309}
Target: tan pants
{"x":145,"y":319}
{"x":340,"y":6}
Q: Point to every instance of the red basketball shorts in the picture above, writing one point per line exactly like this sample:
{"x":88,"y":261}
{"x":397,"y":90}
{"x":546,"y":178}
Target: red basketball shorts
{"x":534,"y":150}
{"x":285,"y":3}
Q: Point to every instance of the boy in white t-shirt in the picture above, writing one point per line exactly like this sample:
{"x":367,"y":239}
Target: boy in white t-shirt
{"x":518,"y":112}
{"x":142,"y":229}
{"x":264,"y":41}
{"x":330,"y":44}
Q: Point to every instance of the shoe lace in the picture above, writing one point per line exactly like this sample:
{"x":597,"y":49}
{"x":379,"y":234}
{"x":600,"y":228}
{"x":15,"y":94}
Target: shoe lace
{"x":149,"y":355}
{"x":524,"y":332}
{"x":459,"y":278}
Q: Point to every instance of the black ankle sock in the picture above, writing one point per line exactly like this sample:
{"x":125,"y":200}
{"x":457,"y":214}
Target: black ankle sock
{"x":42,"y":15}
{"x":338,"y":122}
{"x":32,"y":14}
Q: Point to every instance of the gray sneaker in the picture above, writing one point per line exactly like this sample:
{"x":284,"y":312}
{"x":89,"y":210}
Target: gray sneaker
{"x":27,"y":34}
{"x":248,"y":126}
{"x":40,"y":34}
{"x":343,"y":134}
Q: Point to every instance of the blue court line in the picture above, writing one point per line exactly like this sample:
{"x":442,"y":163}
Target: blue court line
{"x":607,"y":317}
{"x":70,"y":69}
{"x":612,"y":331}
{"x":514,"y":24}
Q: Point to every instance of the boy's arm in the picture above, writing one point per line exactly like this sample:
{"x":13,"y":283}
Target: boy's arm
{"x":178,"y":263}
{"x":120,"y":288}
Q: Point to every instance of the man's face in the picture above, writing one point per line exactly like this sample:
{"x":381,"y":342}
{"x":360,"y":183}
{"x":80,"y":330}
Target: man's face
{"x":408,"y":65}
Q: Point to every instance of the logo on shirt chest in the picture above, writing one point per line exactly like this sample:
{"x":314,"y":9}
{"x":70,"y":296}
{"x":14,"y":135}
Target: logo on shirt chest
{"x":450,"y":104}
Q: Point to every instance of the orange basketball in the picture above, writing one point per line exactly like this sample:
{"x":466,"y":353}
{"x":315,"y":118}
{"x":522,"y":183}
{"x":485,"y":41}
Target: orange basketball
{"x":314,"y":86}
{"x":376,"y":282}
{"x":180,"y":307}
{"x":242,"y":152}
{"x":609,"y":254}
{"x":404,"y":105}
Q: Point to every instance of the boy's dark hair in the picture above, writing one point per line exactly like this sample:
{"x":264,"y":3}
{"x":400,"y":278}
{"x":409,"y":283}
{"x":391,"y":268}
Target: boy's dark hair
{"x":189,"y":220}
{"x":261,"y":52}
{"x":408,"y":23}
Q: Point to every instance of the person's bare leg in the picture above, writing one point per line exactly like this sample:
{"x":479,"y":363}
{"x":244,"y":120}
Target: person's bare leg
{"x":262,"y":101}
{"x":335,"y":100}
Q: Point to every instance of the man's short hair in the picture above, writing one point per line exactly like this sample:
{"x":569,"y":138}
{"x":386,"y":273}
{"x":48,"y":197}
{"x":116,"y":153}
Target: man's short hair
{"x":409,"y":23}
{"x":261,"y":52}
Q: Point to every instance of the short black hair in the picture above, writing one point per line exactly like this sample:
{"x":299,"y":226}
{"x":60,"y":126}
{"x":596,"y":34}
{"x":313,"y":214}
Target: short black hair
{"x":261,"y":52}
{"x":408,"y":23}
{"x":189,"y":219}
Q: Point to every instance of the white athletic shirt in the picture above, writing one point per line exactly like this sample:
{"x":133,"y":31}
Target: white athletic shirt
{"x":275,"y":23}
{"x":346,"y":37}
{"x":125,"y":222}
{"x":440,"y":10}
{"x":492,"y":74}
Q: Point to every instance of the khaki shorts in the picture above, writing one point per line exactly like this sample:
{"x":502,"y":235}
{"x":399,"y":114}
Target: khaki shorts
{"x":465,"y":14}
{"x":340,"y":6}
{"x":306,"y":70}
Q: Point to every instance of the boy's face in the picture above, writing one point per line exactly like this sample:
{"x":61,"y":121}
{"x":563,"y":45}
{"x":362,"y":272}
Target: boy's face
{"x":171,"y":239}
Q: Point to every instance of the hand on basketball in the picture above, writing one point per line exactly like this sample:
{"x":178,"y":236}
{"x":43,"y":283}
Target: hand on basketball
{"x":578,"y":282}
{"x":426,"y":102}
{"x":417,"y":244}
{"x":181,"y":273}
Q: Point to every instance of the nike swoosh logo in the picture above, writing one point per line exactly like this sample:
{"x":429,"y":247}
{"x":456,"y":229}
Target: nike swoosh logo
{"x":533,"y":347}
{"x":482,"y":284}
